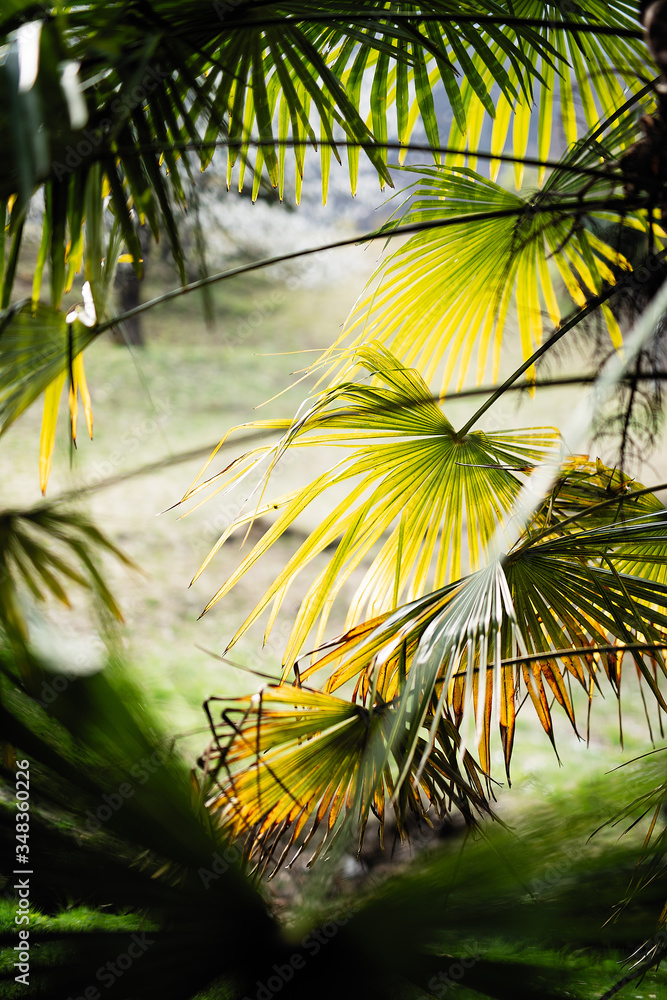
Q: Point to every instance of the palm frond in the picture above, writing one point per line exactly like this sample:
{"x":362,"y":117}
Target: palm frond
{"x":441,"y":673}
{"x":651,"y":868}
{"x":282,"y":70}
{"x":593,"y":74}
{"x":43,"y":551}
{"x":36,"y":346}
{"x":558,"y":591}
{"x":412,"y":484}
{"x":446,"y":290}
{"x":293,"y":765}
{"x":41,"y":346}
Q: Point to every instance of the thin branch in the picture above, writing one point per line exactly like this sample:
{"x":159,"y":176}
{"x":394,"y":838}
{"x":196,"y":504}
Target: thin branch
{"x":576,"y":205}
{"x":376,"y":17}
{"x":414,"y":147}
{"x":148,"y":469}
{"x":585,"y":650}
{"x":555,"y":654}
{"x":547,"y":383}
{"x":546,"y":346}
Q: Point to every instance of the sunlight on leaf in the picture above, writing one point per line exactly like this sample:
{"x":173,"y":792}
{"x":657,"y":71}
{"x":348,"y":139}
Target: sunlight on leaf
{"x":411,"y":485}
{"x":298,"y":765}
{"x":448,"y":292}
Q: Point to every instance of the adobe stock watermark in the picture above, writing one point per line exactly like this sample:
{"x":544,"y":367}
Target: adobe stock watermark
{"x":111,"y":971}
{"x":284,"y":972}
{"x":121,"y":108}
{"x":311,"y":944}
{"x":225,"y":514}
{"x":220,"y":864}
{"x":112,"y":802}
{"x":562,"y":862}
{"x":131,"y":441}
{"x":301,"y":271}
{"x":224,"y":9}
{"x":647,"y":955}
{"x":439,"y":985}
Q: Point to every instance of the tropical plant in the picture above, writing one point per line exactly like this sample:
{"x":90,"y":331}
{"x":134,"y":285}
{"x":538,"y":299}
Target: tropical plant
{"x":162,"y":906}
{"x":498,"y":568}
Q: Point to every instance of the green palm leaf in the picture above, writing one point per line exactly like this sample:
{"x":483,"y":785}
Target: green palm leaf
{"x":462,"y":648}
{"x":43,"y":551}
{"x":600,"y":69}
{"x":299,"y":765}
{"x":228,"y":75}
{"x":411,"y":481}
{"x":34,"y":349}
{"x":590,"y":495}
{"x":446,"y":290}
{"x":432,"y":673}
{"x":311,"y":63}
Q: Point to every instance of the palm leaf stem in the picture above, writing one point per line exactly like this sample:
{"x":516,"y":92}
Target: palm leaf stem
{"x":150,"y":467}
{"x":404,"y":16}
{"x":569,"y":324}
{"x":555,"y":654}
{"x":583,"y":418}
{"x":576,"y":205}
{"x":547,"y":383}
{"x":549,"y":654}
{"x":484,"y":390}
{"x":410,"y":147}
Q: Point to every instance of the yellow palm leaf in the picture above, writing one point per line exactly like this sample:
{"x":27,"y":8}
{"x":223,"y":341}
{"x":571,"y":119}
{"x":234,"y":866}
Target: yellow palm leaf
{"x":411,"y":483}
{"x":450,"y":291}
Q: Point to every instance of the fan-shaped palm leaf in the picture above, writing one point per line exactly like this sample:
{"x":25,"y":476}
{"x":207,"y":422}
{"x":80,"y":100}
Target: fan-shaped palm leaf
{"x":299,"y":765}
{"x":598,"y":69}
{"x":280,"y":68}
{"x":650,"y":803}
{"x":44,"y":550}
{"x":448,"y":290}
{"x":275,"y":69}
{"x":412,"y":483}
{"x":554,"y":610}
{"x":559,"y":592}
